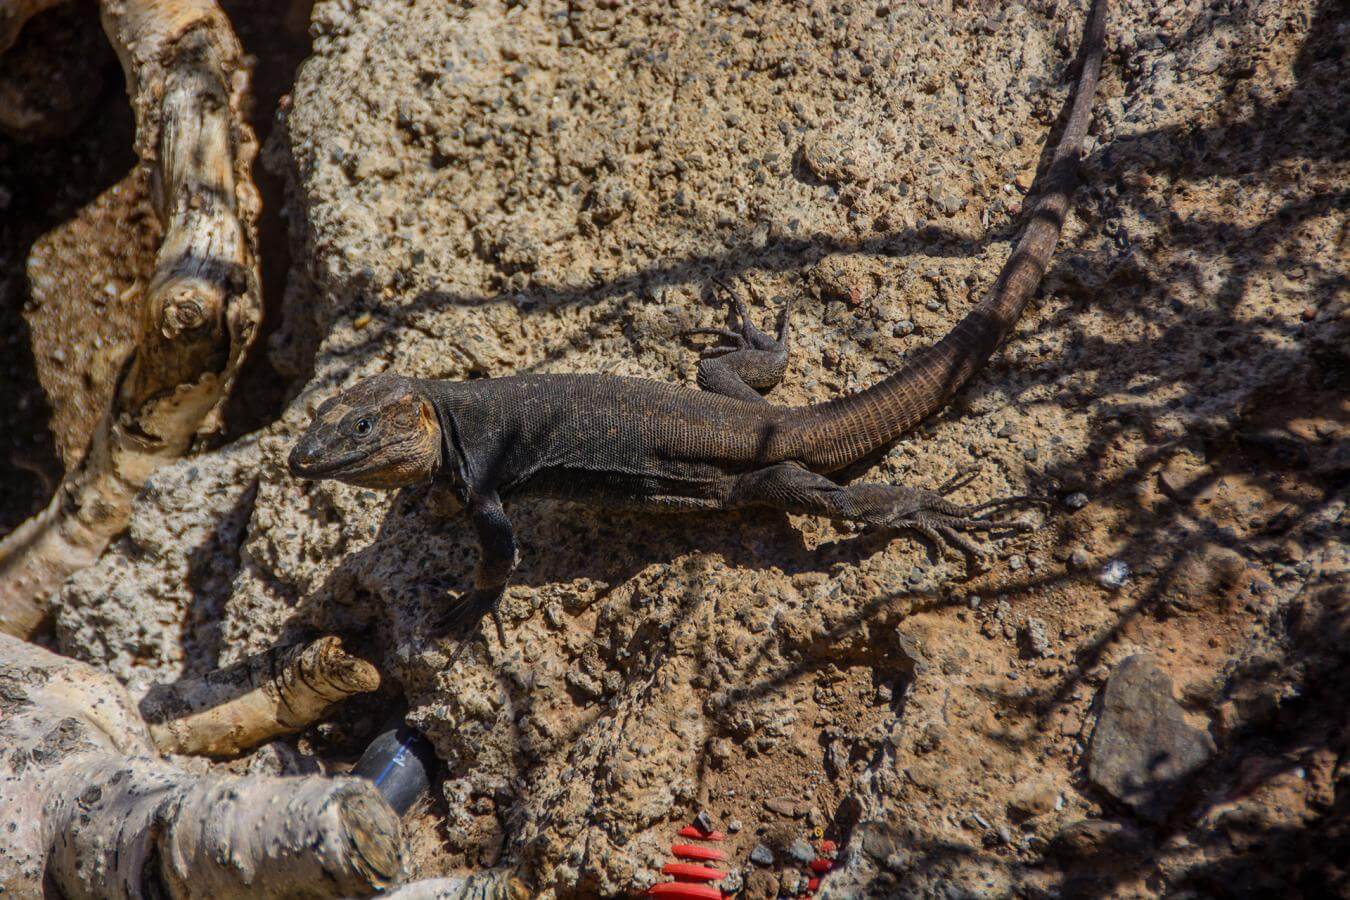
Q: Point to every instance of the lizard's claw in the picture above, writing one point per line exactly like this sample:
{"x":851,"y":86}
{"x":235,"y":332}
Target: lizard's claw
{"x":467,"y":611}
{"x":945,"y":523}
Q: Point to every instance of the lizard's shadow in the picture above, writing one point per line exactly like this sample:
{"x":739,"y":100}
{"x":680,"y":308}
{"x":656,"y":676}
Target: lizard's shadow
{"x":408,"y":578}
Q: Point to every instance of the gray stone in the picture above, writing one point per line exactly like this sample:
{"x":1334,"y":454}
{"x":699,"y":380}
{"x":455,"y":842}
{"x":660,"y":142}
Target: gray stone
{"x":1034,"y":638}
{"x":801,"y":851}
{"x":1143,"y":750}
{"x":761,"y":855}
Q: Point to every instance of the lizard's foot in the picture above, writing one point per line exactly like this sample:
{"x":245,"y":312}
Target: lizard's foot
{"x":467,"y":611}
{"x":793,"y":488}
{"x":945,"y":523}
{"x":750,"y":360}
{"x":741,"y":333}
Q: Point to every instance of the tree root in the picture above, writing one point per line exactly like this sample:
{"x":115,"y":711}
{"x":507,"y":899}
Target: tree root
{"x":278,"y":692}
{"x":200,"y":310}
{"x":88,"y":809}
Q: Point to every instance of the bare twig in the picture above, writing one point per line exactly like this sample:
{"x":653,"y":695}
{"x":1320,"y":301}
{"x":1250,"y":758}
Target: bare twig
{"x":275,"y":693}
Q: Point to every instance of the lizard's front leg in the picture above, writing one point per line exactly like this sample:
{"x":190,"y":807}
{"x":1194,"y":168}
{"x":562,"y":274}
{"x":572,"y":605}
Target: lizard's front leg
{"x":497,"y":560}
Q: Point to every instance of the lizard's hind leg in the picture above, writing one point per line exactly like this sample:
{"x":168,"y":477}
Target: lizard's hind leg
{"x":791,"y":488}
{"x":751,"y":361}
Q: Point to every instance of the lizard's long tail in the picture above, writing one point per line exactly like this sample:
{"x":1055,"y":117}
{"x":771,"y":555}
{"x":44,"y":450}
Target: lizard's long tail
{"x":837,"y":433}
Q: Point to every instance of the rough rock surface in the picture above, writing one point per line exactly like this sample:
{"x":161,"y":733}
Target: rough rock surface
{"x":487,"y":188}
{"x":1143,"y":750}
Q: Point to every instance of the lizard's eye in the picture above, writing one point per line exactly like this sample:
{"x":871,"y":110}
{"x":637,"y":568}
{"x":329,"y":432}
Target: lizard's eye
{"x":362,"y":427}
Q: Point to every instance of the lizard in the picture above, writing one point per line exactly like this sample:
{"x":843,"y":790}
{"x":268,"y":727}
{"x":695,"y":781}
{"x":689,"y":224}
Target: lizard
{"x":652,"y":445}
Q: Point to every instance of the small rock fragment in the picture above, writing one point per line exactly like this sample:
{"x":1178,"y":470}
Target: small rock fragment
{"x":897,"y":862}
{"x":784,"y":806}
{"x":801,"y":851}
{"x":1034,"y":796}
{"x":1206,"y":577}
{"x":1091,"y":837}
{"x":1114,"y":574}
{"x":761,"y":855}
{"x":1076,"y":500}
{"x":1143,"y":750}
{"x":760,"y":883}
{"x":1034,"y":637}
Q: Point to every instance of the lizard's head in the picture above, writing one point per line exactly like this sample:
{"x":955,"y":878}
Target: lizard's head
{"x":381,"y":433}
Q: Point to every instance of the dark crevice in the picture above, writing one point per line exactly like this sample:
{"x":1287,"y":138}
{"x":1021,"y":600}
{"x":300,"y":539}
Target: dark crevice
{"x":88,"y":148}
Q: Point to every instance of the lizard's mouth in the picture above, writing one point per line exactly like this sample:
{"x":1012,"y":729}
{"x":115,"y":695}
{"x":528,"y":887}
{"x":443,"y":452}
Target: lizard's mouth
{"x":308,"y":464}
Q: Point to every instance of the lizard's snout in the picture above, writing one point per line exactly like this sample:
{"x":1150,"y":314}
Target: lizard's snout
{"x":304,"y":459}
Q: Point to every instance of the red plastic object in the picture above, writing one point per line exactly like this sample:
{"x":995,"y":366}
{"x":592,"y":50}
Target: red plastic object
{"x":828,"y":847}
{"x":691,"y":831}
{"x":689,"y":870}
{"x":821,"y":866}
{"x":684,"y":890}
{"x":812,"y":884}
{"x":693,"y":851}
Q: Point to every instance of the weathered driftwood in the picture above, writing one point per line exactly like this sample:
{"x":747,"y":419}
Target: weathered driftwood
{"x":235,"y":709}
{"x":88,"y":809}
{"x":199,"y":311}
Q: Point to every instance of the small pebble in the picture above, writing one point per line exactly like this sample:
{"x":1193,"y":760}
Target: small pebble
{"x":761,"y":855}
{"x":903,"y":329}
{"x":897,"y":862}
{"x":703,"y":821}
{"x":1016,"y":562}
{"x":734,"y":826}
{"x":361,"y":321}
{"x":1076,"y":500}
{"x":801,"y":851}
{"x":1114,"y":574}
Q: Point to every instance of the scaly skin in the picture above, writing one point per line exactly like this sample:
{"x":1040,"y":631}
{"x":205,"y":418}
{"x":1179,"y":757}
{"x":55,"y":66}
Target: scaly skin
{"x":651,"y":445}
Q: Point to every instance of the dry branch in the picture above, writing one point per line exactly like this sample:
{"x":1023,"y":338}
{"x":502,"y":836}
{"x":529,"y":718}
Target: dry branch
{"x":188,"y":85}
{"x":89,"y":810}
{"x":278,"y":692}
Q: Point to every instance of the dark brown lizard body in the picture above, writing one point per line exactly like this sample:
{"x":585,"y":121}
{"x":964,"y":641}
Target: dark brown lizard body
{"x":651,"y":445}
